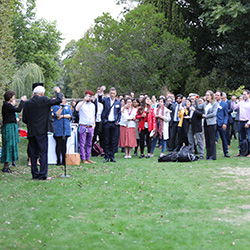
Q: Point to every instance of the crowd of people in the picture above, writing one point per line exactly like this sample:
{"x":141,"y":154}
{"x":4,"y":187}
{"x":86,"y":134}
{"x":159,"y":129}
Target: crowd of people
{"x":125,"y":122}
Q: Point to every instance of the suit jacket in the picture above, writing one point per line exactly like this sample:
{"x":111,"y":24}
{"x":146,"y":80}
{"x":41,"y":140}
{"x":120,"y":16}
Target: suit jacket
{"x":230,"y":118}
{"x":222,"y":114}
{"x":172,"y":107}
{"x":106,"y":109}
{"x":211,"y":114}
{"x":196,"y":121}
{"x":37,"y":114}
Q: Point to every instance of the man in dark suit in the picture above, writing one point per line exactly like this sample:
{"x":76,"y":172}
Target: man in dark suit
{"x":36,"y":115}
{"x":111,"y":116}
{"x":230,"y":118}
{"x":222,"y":120}
{"x":173,"y":124}
{"x":195,"y":127}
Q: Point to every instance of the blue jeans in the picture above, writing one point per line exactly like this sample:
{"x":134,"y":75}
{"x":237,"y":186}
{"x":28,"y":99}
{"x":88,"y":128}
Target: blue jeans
{"x":164,"y":143}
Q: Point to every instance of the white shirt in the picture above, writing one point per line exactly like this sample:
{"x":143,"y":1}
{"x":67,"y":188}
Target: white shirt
{"x":111,"y":117}
{"x":130,"y":116}
{"x":208,"y":106}
{"x":87,"y":114}
{"x":99,"y":111}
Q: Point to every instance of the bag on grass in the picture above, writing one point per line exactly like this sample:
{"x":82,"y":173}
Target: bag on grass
{"x":186,"y":154}
{"x":97,"y":150}
{"x":170,"y":157}
{"x":72,"y":159}
{"x":244,"y":150}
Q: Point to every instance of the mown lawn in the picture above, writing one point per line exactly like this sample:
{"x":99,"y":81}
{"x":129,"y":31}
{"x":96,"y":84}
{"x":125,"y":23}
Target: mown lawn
{"x":132,"y":204}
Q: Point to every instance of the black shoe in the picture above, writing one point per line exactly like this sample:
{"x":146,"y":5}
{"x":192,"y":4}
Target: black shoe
{"x":14,"y":164}
{"x":6,"y":170}
{"x":112,"y":160}
{"x":135,"y":154}
{"x":106,"y":160}
{"x":141,"y":156}
{"x":227,"y":155}
{"x":147,"y":156}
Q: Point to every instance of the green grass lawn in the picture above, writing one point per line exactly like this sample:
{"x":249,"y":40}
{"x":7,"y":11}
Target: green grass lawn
{"x":132,"y":204}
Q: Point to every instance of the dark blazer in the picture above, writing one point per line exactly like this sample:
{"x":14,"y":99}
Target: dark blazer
{"x":172,"y":107}
{"x":106,"y":109}
{"x":37,"y":114}
{"x":196,"y":121}
{"x":222,"y":114}
{"x":229,"y":109}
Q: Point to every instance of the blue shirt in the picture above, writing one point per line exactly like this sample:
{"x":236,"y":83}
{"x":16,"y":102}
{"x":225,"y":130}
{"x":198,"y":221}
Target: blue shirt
{"x":63,"y":122}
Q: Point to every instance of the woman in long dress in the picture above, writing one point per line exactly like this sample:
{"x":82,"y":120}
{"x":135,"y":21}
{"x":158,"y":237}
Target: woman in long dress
{"x":10,"y":130}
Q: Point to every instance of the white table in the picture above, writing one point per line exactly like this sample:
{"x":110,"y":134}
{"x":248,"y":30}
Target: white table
{"x":72,"y":144}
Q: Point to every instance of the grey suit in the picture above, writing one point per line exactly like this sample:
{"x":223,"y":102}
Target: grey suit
{"x":210,"y":127}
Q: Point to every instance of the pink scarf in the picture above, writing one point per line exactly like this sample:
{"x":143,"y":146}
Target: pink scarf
{"x":160,"y":128}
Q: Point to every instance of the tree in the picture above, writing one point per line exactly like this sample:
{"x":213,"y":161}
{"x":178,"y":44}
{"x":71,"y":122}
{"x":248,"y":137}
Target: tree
{"x":7,"y":60}
{"x":232,"y":20}
{"x":37,"y":41}
{"x":136,"y":53}
{"x":27,"y":74}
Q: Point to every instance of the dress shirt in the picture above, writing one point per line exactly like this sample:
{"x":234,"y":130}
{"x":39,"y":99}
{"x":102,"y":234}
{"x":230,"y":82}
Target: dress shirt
{"x":87,"y":114}
{"x":244,"y":108}
{"x":111,"y":116}
{"x":176,"y":118}
{"x":99,"y":111}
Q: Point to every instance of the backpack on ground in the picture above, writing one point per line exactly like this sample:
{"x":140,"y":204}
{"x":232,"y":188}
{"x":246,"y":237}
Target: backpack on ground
{"x":170,"y":157}
{"x":244,"y":150}
{"x":97,"y":150}
{"x":186,"y":154}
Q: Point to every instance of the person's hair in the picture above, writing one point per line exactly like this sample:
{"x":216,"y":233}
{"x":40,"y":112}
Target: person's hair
{"x":212,"y":95}
{"x":246,"y":90}
{"x":89,"y":92}
{"x":112,"y":89}
{"x":128,"y":98}
{"x":224,"y":94}
{"x":143,"y":105}
{"x":8,"y":95}
{"x":137,"y":100}
{"x":39,"y":90}
{"x":219,"y":92}
{"x":162,"y":98}
{"x":179,"y":95}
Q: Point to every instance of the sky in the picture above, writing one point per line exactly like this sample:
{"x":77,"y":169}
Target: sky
{"x":75,"y":17}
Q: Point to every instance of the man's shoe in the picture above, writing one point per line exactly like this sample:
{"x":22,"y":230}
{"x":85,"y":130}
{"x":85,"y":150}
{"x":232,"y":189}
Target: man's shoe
{"x":85,"y":162}
{"x":112,"y":160}
{"x":90,"y":161}
{"x":227,"y":155}
{"x":141,"y":156}
{"x":14,"y":164}
{"x":6,"y":170}
{"x":106,"y":160}
{"x":237,"y":155}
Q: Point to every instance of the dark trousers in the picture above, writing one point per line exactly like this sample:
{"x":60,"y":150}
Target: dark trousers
{"x":172,"y":140}
{"x":233,"y":129}
{"x":228,"y":132}
{"x":223,"y":137}
{"x":110,"y":139}
{"x":244,"y":133}
{"x":61,"y":147}
{"x":98,"y":132}
{"x":210,"y":133}
{"x":39,"y":149}
{"x":144,"y":136}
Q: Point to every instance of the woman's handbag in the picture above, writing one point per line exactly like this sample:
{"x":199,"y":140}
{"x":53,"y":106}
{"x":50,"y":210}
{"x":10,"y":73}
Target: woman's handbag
{"x":72,"y":159}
